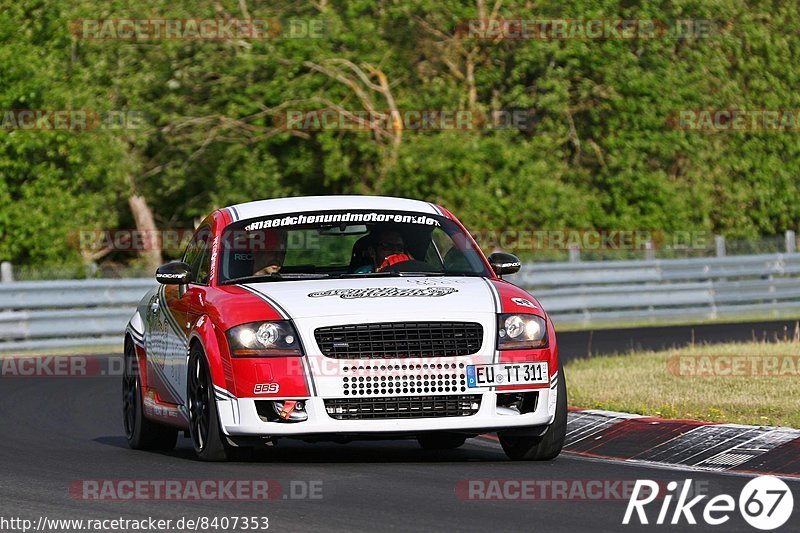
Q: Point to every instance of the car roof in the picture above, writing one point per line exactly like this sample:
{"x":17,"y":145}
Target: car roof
{"x":297,"y":204}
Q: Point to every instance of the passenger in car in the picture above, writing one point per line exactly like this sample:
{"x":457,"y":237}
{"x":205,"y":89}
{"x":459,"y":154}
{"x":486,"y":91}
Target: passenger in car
{"x":269,"y":255}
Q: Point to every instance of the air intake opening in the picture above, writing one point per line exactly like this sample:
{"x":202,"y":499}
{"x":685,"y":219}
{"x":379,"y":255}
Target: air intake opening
{"x":403,"y":407}
{"x":400,"y":339}
{"x":281,"y":410}
{"x":517,"y":403}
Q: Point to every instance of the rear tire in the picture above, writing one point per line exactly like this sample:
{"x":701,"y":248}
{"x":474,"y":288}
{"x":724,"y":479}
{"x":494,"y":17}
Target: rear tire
{"x":141,"y":432}
{"x":547,"y":446}
{"x":441,"y":441}
{"x":210,"y":444}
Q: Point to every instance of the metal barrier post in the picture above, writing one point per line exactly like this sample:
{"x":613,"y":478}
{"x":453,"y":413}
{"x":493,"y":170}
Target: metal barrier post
{"x":719,"y":241}
{"x":649,"y":251}
{"x":791,"y":242}
{"x":574,"y":254}
{"x":6,"y":272}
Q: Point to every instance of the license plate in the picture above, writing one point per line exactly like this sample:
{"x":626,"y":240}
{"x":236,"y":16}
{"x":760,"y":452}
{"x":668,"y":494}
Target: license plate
{"x":507,"y":374}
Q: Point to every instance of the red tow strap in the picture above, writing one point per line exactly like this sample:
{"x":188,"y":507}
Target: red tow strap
{"x":288,"y":408}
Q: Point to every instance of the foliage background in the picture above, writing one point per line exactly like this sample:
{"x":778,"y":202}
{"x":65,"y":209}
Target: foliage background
{"x":601,"y":154}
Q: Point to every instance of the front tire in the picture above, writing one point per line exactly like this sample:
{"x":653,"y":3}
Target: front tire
{"x":204,"y":428}
{"x":547,"y":446}
{"x":141,"y":432}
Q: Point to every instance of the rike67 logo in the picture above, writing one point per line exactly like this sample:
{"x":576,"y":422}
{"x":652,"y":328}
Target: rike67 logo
{"x":766,"y":503}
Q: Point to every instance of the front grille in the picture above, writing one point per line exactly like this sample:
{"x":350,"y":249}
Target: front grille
{"x":414,"y":378}
{"x":403,"y":407}
{"x":400,"y":339}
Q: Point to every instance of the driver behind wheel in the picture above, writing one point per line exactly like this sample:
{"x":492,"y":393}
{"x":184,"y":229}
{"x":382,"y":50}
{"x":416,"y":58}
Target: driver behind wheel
{"x":385,"y":250}
{"x":393,"y":259}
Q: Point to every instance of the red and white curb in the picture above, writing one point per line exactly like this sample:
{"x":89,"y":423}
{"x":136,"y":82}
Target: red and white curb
{"x":686,"y":443}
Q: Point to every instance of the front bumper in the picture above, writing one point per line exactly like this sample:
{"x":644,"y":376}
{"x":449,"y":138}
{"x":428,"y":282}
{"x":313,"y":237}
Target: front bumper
{"x":239,"y":417}
{"x":332,"y":378}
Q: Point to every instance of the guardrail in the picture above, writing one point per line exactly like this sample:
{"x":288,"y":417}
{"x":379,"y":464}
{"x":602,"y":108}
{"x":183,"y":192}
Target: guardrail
{"x":56,"y":314}
{"x":63,"y":314}
{"x":589,"y":294}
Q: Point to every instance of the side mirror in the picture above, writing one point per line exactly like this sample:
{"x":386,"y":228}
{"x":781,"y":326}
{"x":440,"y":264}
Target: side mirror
{"x":503,"y":263}
{"x":175,"y":273}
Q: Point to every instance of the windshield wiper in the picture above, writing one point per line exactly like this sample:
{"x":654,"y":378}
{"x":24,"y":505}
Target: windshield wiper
{"x":274,"y":277}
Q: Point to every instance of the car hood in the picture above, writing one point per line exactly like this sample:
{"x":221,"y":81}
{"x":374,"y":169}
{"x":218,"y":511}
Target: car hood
{"x":379,"y":297}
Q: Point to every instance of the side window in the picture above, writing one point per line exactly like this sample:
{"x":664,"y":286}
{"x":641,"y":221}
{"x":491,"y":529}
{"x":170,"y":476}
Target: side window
{"x":445,"y":251}
{"x":195,"y":255}
{"x":440,"y":245}
{"x":205,"y":264}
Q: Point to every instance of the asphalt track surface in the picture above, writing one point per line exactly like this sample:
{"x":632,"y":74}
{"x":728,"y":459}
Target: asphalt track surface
{"x":58,"y":431}
{"x":577,"y":344}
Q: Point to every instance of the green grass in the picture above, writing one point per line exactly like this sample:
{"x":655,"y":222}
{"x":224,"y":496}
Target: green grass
{"x":649,"y":383}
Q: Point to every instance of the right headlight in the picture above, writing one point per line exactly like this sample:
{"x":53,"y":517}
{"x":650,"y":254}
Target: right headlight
{"x":264,"y":339}
{"x":521,"y":332}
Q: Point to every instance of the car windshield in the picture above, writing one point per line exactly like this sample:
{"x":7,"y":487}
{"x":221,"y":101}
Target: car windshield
{"x":347,"y":244}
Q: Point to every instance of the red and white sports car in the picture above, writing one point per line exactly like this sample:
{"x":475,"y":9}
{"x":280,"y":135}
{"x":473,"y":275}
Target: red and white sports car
{"x":338,"y":318}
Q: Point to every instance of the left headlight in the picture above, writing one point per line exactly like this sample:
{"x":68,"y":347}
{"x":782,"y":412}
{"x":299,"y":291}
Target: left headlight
{"x":520,"y":332}
{"x":264,"y":339}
